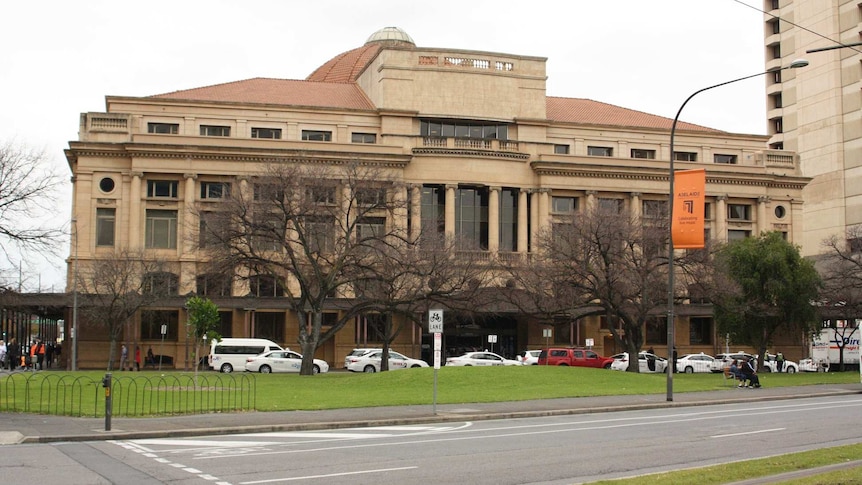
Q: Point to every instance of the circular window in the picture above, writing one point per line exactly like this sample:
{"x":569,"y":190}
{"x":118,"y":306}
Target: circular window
{"x":106,"y":185}
{"x":780,"y":212}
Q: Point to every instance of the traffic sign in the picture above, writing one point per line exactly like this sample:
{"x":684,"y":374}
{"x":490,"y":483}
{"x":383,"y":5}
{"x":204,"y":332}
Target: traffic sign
{"x":435,"y":321}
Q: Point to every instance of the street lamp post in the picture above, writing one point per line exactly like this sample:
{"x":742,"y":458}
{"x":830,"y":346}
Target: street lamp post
{"x":670,"y":290}
{"x":75,"y":300}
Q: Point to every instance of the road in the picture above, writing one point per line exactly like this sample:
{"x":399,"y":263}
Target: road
{"x":548,"y":450}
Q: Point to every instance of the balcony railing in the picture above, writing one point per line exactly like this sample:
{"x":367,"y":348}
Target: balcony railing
{"x":470,"y":143}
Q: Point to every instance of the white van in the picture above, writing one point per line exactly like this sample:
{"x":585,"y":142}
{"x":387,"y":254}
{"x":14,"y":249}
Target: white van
{"x":229,"y":354}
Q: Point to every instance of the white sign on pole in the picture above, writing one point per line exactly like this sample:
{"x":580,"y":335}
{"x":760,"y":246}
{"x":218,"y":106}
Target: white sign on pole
{"x":164,"y":329}
{"x":590,"y":342}
{"x":492,"y":339}
{"x":438,"y":345}
{"x":435,"y":321}
{"x":546,"y":332}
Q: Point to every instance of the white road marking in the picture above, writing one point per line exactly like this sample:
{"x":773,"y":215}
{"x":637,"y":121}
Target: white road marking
{"x":329,"y":475}
{"x":731,"y":435}
{"x":310,"y":434}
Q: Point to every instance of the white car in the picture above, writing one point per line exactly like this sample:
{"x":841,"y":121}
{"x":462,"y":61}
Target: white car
{"x":647,"y":362}
{"x":690,"y":363}
{"x":724,"y":360}
{"x":370,"y":361}
{"x":480,"y":359}
{"x":771,"y":365}
{"x":529,"y":357}
{"x":281,"y":361}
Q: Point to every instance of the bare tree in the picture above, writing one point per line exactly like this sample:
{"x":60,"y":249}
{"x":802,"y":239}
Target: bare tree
{"x":604,"y":261}
{"x":405,"y":279}
{"x":840,"y":267}
{"x":303,"y":233}
{"x":27,"y":195}
{"x":116,"y":286}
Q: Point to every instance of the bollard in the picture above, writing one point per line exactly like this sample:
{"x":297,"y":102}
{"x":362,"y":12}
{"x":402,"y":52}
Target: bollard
{"x":106,"y":383}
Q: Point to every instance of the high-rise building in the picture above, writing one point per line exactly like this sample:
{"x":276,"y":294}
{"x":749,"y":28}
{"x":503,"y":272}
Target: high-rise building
{"x":472,"y":136}
{"x":815,"y":111}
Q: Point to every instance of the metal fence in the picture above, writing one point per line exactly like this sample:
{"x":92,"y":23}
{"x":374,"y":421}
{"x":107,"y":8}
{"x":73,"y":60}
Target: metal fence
{"x":132,"y":395}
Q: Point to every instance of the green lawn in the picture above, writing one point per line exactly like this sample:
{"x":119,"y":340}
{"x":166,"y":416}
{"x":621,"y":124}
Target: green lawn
{"x":178,"y":394}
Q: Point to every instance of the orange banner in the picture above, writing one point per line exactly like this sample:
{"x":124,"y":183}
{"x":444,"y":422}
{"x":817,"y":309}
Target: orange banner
{"x":688,"y":207}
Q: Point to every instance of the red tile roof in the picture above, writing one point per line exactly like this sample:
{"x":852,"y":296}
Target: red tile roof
{"x":588,"y":112}
{"x":286,"y":92}
{"x":347,"y":66}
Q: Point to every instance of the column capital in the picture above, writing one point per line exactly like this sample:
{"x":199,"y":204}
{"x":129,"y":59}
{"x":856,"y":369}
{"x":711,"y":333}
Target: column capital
{"x":592,"y":192}
{"x":763,"y":199}
{"x":722,"y":197}
{"x":495,"y":188}
{"x":190,"y":175}
{"x":136,"y":174}
{"x":451,"y":186}
{"x":636,"y":194}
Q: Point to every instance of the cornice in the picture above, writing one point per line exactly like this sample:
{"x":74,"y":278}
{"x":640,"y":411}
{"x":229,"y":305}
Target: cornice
{"x":454,"y":152}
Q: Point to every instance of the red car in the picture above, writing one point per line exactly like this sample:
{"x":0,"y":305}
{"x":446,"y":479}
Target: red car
{"x":574,"y":357}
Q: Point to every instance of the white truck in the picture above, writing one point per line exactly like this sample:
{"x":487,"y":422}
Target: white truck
{"x":826,"y":348}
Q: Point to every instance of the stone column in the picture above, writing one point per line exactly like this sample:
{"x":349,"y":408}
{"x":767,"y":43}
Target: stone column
{"x":415,"y":211}
{"x":636,"y":209}
{"x":523,"y":221}
{"x":762,"y":224}
{"x":136,"y":240}
{"x":494,"y":220}
{"x":721,"y":218}
{"x":450,"y":210}
{"x":187,"y":223}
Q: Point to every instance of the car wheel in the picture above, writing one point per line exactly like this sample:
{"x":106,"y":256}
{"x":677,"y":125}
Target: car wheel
{"x":415,"y":366}
{"x":369,"y":369}
{"x":607,"y":366}
{"x":564,"y":365}
{"x":265,"y":369}
{"x":226,"y":368}
{"x":791,"y":370}
{"x":315,"y":369}
{"x":689,"y":370}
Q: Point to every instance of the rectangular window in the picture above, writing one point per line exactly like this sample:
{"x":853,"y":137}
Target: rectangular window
{"x":564,"y":205}
{"x":162,"y":189}
{"x":736,"y":234}
{"x":707,"y":211}
{"x":370,"y":227}
{"x":600,"y":151}
{"x":211,"y":130}
{"x":655,"y":209}
{"x":215,"y":190}
{"x":724,"y":158}
{"x":363,"y":138}
{"x":269,"y":326}
{"x":320,"y":232}
{"x":685,"y":156}
{"x":739,"y":212}
{"x":371,"y":197}
{"x":700,"y":331}
{"x":153,"y":320}
{"x":316,"y":135}
{"x":561,"y":149}
{"x":508,"y":219}
{"x":776,"y":51}
{"x":273,"y":133}
{"x":776,"y":27}
{"x":656,"y":331}
{"x":433,"y":209}
{"x":471,"y":217}
{"x":161,"y":230}
{"x":778,"y":124}
{"x":207,"y":231}
{"x":641,"y":153}
{"x":163,"y":128}
{"x":105,"y":224}
{"x":322,"y":195}
{"x":613,"y":206}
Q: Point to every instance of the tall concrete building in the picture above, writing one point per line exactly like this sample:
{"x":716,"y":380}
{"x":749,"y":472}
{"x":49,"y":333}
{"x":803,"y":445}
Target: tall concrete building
{"x":465,"y":132}
{"x":815,"y":111}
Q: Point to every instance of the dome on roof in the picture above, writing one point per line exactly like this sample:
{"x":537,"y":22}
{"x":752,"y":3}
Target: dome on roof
{"x":390,"y":34}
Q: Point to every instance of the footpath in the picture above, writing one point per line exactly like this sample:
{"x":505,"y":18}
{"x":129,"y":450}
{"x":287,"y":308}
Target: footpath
{"x":19,"y":428}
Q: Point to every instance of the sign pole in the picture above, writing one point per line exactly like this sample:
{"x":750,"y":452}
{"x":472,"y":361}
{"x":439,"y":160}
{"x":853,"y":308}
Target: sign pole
{"x":435,"y":326}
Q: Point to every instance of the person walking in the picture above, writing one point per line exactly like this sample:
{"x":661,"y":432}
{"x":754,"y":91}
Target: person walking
{"x":137,"y":358}
{"x":13,"y":354}
{"x":779,"y":361}
{"x":40,"y":354}
{"x":2,"y":354}
{"x":31,"y":353}
{"x":124,"y":357}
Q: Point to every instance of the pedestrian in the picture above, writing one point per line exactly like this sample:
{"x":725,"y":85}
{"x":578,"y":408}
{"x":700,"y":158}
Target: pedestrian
{"x":674,"y":358}
{"x":13,"y":353}
{"x":650,"y":350}
{"x":31,"y":353}
{"x":751,"y":374}
{"x":137,"y":358}
{"x":40,"y":354}
{"x":779,"y":361}
{"x":2,"y":354}
{"x":49,"y":354}
{"x":124,"y":357}
{"x":151,"y":359}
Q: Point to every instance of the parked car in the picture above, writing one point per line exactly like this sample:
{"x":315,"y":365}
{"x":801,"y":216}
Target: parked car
{"x":647,"y":362}
{"x":723,"y":360}
{"x":529,"y":357}
{"x":356,"y":353}
{"x":480,"y":359}
{"x":690,"y":363}
{"x":574,"y":357}
{"x":281,"y":361}
{"x":810,"y":365}
{"x":370,"y":361}
{"x":771,"y":365}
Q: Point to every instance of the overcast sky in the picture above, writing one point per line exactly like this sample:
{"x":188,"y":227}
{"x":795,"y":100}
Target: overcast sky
{"x":61,"y":58}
